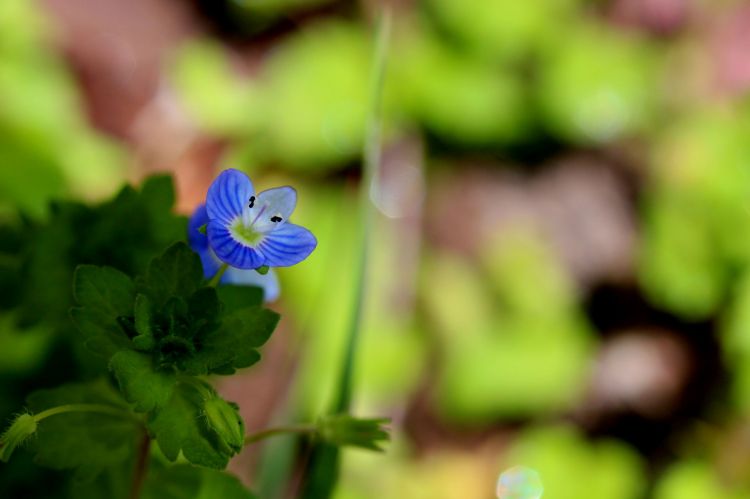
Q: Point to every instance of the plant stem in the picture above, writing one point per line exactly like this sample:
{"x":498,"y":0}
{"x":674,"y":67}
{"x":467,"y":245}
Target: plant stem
{"x":280,"y":430}
{"x":141,"y":467}
{"x":217,"y":277}
{"x":100,"y":408}
{"x":372,"y":156}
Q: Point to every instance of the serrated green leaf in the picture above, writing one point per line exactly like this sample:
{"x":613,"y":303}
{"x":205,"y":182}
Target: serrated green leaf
{"x":237,"y":297}
{"x":204,"y":311}
{"x":144,"y":341}
{"x":157,"y":194}
{"x":188,"y":482}
{"x":85,"y":441}
{"x":234,"y":344}
{"x":104,"y":295}
{"x":181,"y":427}
{"x":142,"y":384}
{"x":177,"y":272}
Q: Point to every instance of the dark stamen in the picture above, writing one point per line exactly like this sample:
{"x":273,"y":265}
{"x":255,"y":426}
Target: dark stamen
{"x":252,"y":202}
{"x":276,"y":218}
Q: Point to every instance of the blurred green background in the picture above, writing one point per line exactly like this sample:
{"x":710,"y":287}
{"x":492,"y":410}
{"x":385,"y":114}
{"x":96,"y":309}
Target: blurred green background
{"x":561,"y":267}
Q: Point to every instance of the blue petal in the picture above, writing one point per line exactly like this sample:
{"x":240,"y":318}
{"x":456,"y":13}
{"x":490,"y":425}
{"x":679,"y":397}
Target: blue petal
{"x":287,"y":245}
{"x":268,"y":282}
{"x":211,"y":263}
{"x":197,"y":240}
{"x":231,"y":251}
{"x":228,"y":195}
{"x":273,"y":208}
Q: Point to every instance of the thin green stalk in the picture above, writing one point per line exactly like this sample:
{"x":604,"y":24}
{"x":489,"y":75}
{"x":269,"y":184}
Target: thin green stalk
{"x":217,"y":277}
{"x":281,"y":430}
{"x":321,"y":475}
{"x":100,"y":408}
{"x":371,"y":156}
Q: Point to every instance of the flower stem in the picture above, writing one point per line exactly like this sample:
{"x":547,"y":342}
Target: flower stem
{"x":371,"y":159}
{"x":280,"y":430}
{"x":100,"y":408}
{"x":141,"y":467}
{"x":217,"y":277}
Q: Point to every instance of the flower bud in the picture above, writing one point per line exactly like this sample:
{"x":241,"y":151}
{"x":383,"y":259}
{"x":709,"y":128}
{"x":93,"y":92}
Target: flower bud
{"x":344,"y":430}
{"x":224,"y":419}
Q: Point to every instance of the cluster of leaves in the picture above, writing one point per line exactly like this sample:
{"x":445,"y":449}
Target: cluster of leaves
{"x":155,"y":333}
{"x":37,"y":259}
{"x":161,"y":330}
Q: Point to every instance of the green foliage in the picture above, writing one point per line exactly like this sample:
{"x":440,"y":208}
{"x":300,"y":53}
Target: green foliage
{"x":692,"y":479}
{"x":695,"y":237}
{"x":161,"y":330}
{"x":47,"y":148}
{"x":153,"y":322}
{"x":215,"y":97}
{"x":86,"y":441}
{"x":187,"y":482}
{"x":175,"y":274}
{"x":504,"y":29}
{"x":573,"y":468}
{"x":172,"y":316}
{"x":124,"y":233}
{"x":184,"y":426}
{"x":585,"y":98}
{"x":140,"y":382}
{"x":515,"y":343}
{"x":107,"y":295}
{"x":464,"y":100}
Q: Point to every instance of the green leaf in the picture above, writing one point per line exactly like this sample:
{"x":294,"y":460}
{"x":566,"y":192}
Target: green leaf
{"x":140,"y":382}
{"x":144,"y":341}
{"x":85,"y":441}
{"x":236,"y":297}
{"x":157,"y":194}
{"x":177,"y":272}
{"x":104,"y":295}
{"x":181,"y":426}
{"x":234,"y":344}
{"x":188,"y":482}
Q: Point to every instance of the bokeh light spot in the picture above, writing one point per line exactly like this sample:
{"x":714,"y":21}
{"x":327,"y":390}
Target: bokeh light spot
{"x":519,"y":482}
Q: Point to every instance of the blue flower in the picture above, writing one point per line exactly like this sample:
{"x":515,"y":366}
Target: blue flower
{"x":248,"y":231}
{"x":211,"y":263}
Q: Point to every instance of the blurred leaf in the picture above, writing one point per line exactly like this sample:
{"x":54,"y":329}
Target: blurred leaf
{"x":505,"y":29}
{"x":694,"y":480}
{"x":524,"y":350}
{"x":585,"y":98}
{"x":220,"y":101}
{"x":315,"y":98}
{"x":85,"y":441}
{"x":462,"y":100}
{"x":573,"y":468}
{"x":188,"y":482}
